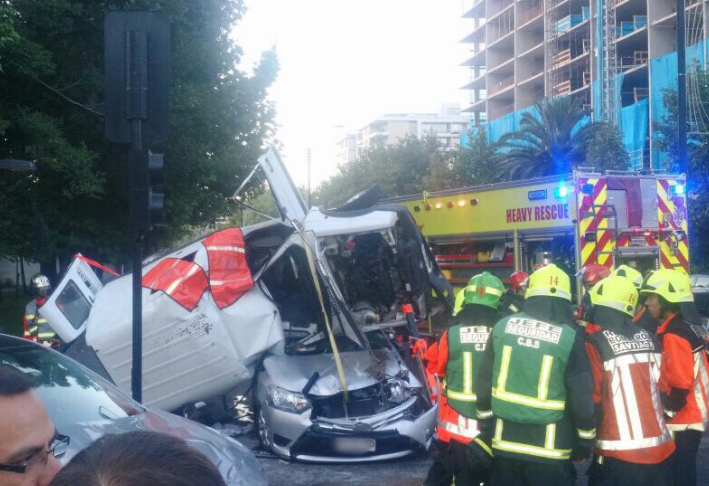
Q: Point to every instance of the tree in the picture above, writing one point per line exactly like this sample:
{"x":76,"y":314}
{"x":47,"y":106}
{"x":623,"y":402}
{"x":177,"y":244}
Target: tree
{"x":51,"y":96}
{"x":471,"y":164}
{"x":399,"y":169}
{"x":555,"y":139}
{"x":697,"y":167}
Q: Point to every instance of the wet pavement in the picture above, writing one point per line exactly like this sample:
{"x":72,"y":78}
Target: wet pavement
{"x":403,"y":472}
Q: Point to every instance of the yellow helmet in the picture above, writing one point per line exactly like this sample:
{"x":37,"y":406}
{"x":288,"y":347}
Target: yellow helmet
{"x":672,"y":285}
{"x":631,"y":274}
{"x":549,"y":281}
{"x":615,"y":292}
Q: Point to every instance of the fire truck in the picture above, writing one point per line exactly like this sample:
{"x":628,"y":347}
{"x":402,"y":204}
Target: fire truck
{"x":612,"y":218}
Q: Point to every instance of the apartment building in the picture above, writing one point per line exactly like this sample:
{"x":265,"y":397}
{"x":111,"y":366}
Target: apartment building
{"x":447,"y":126}
{"x":615,"y":54}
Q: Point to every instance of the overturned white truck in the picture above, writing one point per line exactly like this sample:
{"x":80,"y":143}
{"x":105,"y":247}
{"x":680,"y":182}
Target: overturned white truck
{"x":278,"y":306}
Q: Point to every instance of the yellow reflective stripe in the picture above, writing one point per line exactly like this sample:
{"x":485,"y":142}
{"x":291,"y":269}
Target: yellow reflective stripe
{"x":463,"y":397}
{"x":543,"y":388}
{"x":560,"y":454}
{"x":33,"y":329}
{"x":528,"y":401}
{"x":513,"y":308}
{"x":504,"y":368}
{"x":46,"y":334}
{"x":468,"y":373}
{"x":488,"y":290}
{"x":499,"y":425}
{"x":467,"y":395}
{"x":483,"y":414}
{"x":29,"y":316}
{"x":586,"y":434}
{"x":485,"y":447}
{"x":550,"y":439}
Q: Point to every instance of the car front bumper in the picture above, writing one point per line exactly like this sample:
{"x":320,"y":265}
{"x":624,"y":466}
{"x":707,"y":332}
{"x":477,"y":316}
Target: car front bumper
{"x":398,"y":432}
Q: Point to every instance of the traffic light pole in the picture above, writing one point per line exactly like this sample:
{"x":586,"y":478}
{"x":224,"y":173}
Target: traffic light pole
{"x":137,"y":111}
{"x":137,"y":197}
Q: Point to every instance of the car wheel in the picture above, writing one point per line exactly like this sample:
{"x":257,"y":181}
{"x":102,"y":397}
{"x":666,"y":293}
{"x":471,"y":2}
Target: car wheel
{"x":264,"y":431}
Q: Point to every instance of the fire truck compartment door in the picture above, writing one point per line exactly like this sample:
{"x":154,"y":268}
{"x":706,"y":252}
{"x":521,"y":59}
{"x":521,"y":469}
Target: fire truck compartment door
{"x":288,"y":198}
{"x":67,"y":309}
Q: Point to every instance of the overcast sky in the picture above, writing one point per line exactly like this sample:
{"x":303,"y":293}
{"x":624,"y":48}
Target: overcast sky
{"x":345,"y":62}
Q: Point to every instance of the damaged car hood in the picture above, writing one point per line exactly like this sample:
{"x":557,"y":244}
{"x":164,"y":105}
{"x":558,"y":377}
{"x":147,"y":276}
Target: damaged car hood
{"x":362,"y":369}
{"x":237,"y":464}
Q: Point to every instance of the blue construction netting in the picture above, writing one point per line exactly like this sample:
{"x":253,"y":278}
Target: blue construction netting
{"x":634,"y":120}
{"x":634,"y":125}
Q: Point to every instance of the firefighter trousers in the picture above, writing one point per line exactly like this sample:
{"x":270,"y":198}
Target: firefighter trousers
{"x":684,"y":460}
{"x":518,"y":472}
{"x":608,"y":471}
{"x":455,"y":463}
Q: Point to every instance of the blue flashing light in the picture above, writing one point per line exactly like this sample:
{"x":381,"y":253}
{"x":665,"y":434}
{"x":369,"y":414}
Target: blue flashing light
{"x":561,"y":192}
{"x":679,"y":189}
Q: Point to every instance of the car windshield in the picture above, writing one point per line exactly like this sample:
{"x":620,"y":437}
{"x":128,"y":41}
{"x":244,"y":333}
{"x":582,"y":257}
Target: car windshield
{"x":72,"y":394}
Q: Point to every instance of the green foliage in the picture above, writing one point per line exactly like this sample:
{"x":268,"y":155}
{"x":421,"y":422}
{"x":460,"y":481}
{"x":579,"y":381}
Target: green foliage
{"x":604,"y":148}
{"x":398,"y":169}
{"x":555,"y":139}
{"x":473,"y":164}
{"x":697,"y":168}
{"x":51,"y":98}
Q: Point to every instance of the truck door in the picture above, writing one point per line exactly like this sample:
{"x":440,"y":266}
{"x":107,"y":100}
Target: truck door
{"x":67,"y":309}
{"x":288,"y":198}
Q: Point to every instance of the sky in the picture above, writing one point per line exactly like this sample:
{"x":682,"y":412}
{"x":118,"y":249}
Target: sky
{"x":344,"y":63}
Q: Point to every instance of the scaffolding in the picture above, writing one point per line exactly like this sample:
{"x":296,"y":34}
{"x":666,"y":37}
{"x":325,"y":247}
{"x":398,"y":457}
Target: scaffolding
{"x":609,"y":103}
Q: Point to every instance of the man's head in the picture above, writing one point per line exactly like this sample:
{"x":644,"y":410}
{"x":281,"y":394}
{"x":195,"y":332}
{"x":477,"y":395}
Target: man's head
{"x":26,"y":432}
{"x":41,"y":287}
{"x":549,"y":281}
{"x":667,"y":292}
{"x":615,"y":293}
{"x":518,"y":282}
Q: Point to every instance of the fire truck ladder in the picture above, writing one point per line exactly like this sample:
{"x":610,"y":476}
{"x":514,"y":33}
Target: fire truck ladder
{"x":609,"y":108}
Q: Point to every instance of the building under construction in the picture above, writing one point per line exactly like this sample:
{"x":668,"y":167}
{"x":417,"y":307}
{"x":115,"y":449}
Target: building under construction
{"x":618,"y":56}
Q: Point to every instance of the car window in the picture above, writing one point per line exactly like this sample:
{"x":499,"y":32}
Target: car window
{"x":71,"y":394}
{"x":74,"y":305}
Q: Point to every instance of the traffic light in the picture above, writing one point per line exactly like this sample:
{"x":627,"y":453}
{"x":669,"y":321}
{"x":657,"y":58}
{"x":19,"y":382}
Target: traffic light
{"x":156,"y":197}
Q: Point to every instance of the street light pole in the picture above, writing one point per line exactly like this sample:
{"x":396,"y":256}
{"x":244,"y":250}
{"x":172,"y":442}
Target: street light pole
{"x":17,"y":165}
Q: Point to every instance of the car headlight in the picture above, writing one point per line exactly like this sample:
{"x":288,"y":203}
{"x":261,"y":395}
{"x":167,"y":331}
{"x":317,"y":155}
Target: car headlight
{"x":288,"y":401}
{"x":397,"y":390}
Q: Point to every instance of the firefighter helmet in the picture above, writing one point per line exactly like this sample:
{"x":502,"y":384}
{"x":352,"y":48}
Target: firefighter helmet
{"x":593,"y":273}
{"x":40,"y":285}
{"x":549,"y":281}
{"x":484,"y":289}
{"x":631,"y":274}
{"x":671,"y":285}
{"x":615,"y":292}
{"x":518,"y":279}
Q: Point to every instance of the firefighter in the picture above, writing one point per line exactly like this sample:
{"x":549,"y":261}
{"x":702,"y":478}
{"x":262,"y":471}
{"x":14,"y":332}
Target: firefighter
{"x":513,"y":300}
{"x":36,"y":327}
{"x":458,"y":357}
{"x":590,"y":276}
{"x":535,"y":382}
{"x":684,"y":375}
{"x":642,"y":317}
{"x":633,"y":443}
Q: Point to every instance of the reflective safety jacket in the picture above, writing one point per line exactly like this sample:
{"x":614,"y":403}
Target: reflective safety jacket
{"x":684,"y":373}
{"x":528,"y":377}
{"x":459,"y":355}
{"x":625,"y":362}
{"x":536,"y":381}
{"x":35,"y":325}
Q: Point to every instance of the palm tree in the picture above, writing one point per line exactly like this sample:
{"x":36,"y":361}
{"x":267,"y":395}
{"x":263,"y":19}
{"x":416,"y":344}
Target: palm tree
{"x":550,"y":140}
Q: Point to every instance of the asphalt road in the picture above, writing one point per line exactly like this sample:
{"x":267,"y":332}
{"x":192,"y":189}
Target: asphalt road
{"x":403,"y":472}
